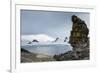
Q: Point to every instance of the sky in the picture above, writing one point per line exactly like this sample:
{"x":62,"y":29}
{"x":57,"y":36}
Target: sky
{"x":51,"y":23}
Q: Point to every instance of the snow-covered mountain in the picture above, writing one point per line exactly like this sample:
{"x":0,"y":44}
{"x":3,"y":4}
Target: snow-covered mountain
{"x":40,"y":38}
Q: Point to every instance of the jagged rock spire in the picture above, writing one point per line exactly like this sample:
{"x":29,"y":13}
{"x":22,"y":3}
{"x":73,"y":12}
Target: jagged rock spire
{"x":79,"y":33}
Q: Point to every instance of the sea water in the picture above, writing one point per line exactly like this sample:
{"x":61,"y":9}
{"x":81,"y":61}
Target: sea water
{"x":48,"y":49}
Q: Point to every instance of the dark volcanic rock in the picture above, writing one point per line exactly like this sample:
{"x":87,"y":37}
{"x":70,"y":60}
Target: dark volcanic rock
{"x":79,"y":33}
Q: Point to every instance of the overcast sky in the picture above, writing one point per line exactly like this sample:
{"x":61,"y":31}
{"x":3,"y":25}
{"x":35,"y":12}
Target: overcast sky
{"x":54,"y":24}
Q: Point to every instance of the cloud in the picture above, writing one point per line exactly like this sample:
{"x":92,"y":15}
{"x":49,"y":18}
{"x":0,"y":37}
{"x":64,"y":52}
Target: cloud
{"x":55,"y":24}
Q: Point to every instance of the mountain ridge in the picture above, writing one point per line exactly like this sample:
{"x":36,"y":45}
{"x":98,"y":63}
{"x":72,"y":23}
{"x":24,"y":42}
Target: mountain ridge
{"x":39,"y":37}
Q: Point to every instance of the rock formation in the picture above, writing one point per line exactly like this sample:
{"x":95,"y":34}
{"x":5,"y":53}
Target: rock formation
{"x":65,"y":39}
{"x":35,"y":40}
{"x":79,"y":41}
{"x":29,"y":57}
{"x":79,"y":33}
{"x":73,"y":55}
{"x":56,"y":39}
{"x":29,"y":42}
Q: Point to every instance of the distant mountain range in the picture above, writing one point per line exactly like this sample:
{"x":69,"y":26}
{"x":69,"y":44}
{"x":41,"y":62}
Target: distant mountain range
{"x":37,"y":38}
{"x":41,"y":38}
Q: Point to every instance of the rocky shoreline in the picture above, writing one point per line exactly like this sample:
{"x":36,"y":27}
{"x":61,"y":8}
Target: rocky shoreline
{"x":27,"y":56}
{"x":73,"y":55}
{"x":80,"y":54}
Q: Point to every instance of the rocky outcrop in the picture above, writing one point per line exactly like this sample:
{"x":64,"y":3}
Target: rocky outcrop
{"x":29,"y":42}
{"x":79,"y":41}
{"x":35,"y":40}
{"x":65,"y":39}
{"x":74,"y":55}
{"x":23,"y":50}
{"x":28,"y":57}
{"x":56,"y":39}
{"x":79,"y":33}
